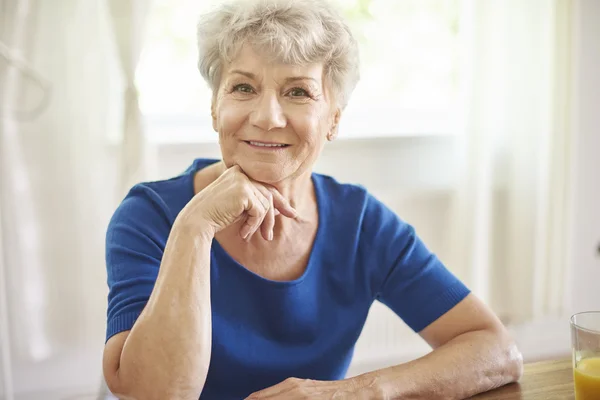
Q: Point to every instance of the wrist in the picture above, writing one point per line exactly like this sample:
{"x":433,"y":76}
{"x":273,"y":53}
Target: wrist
{"x":368,"y":386}
{"x":193,"y":226}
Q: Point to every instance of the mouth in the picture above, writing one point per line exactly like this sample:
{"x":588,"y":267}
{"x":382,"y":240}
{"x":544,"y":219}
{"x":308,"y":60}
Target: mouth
{"x":266,"y":145}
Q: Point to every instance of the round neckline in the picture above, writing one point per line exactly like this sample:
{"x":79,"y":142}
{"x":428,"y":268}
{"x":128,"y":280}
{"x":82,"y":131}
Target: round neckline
{"x":309,"y":266}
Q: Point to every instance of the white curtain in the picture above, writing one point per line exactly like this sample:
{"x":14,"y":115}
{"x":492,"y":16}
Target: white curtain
{"x":509,"y":234}
{"x":8,"y":17}
{"x":18,"y":232}
{"x":128,"y":20}
{"x":60,"y":178}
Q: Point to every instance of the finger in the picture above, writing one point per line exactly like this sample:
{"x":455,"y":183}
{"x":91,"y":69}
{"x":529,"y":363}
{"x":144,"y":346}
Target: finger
{"x":246,"y":228}
{"x":265,"y":204}
{"x":266,"y":228}
{"x":256,"y":209}
{"x":265,"y":393}
{"x":282,"y":204}
{"x":268,"y":223}
{"x":270,"y":218}
{"x":276,"y":391}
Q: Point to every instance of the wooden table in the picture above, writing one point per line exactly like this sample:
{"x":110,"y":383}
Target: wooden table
{"x":548,"y":380}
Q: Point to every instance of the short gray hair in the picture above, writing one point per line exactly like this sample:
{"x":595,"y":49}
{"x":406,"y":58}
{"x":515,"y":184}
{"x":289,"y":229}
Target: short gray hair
{"x":289,"y":31}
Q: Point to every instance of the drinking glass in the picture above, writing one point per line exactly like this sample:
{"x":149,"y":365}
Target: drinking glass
{"x":585,"y":342}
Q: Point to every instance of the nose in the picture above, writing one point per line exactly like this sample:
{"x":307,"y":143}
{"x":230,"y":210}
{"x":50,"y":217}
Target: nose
{"x":268,"y":114}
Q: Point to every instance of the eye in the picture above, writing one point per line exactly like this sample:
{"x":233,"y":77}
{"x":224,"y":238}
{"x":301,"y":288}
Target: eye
{"x":298,"y":92}
{"x":243,"y":88}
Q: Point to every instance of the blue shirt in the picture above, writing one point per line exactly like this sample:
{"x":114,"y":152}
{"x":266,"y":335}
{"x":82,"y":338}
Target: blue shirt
{"x":265,"y":331}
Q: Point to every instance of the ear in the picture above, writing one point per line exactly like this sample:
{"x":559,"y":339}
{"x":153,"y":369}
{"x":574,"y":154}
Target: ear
{"x":213,"y":114}
{"x":333,"y":130}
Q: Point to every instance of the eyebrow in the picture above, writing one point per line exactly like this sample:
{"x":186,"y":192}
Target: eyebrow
{"x":286,"y":80}
{"x":247,"y":74}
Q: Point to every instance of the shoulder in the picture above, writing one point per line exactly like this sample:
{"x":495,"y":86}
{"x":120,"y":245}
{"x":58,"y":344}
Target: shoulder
{"x":341,"y":196}
{"x":150,"y":199}
{"x":349,"y":199}
{"x":156,"y":204}
{"x":352,"y":208}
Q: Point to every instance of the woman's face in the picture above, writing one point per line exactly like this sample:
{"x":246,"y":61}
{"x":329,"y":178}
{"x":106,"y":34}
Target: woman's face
{"x":272,"y":118}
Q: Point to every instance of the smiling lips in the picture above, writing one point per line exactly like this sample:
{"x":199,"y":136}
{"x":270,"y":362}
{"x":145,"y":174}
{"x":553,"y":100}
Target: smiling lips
{"x":266,"y":145}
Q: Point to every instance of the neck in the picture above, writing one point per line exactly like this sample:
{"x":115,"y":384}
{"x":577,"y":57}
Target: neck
{"x":297,"y":190}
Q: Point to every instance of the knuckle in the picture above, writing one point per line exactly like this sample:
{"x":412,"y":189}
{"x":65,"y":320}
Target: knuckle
{"x":236,"y":173}
{"x":296,"y":382}
{"x":233,"y":171}
{"x":245,"y":189}
{"x":265,"y":203}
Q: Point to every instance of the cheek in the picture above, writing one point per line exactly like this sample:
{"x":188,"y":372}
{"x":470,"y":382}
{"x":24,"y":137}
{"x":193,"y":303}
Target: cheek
{"x":310,"y":125}
{"x":230,"y":117}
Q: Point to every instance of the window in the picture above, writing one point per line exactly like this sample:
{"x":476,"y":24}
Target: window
{"x":410,"y":70}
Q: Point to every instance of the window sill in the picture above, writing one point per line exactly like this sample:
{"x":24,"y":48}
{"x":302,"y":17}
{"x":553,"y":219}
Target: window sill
{"x":186,"y":129}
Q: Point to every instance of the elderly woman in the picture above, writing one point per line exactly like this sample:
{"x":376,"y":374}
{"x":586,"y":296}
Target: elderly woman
{"x":251,"y":276}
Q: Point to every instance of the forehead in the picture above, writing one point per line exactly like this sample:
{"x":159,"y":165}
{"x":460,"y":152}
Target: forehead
{"x":253,"y":62}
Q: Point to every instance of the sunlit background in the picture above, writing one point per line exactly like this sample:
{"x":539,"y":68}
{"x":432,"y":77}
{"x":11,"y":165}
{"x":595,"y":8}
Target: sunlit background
{"x":410,"y":67}
{"x":476,"y":121}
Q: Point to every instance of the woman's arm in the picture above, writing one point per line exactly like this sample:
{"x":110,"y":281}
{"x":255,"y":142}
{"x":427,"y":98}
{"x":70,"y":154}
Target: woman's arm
{"x":473,"y":353}
{"x":167,"y":352}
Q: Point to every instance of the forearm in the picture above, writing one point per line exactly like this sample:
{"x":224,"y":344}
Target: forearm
{"x":167,"y":353}
{"x":471,"y":363}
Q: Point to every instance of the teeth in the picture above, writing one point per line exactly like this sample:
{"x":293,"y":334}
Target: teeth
{"x":266,"y":144}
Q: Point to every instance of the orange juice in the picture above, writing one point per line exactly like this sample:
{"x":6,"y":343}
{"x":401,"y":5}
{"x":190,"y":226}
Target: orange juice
{"x":587,"y":379}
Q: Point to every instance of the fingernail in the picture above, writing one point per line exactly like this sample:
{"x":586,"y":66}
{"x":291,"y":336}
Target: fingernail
{"x":270,"y":235}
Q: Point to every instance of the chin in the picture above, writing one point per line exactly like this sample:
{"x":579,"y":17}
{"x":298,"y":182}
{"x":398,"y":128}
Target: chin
{"x":262,"y":172}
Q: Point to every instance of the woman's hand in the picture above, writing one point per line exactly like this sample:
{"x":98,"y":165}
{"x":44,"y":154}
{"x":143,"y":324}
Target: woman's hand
{"x":296,"y":389}
{"x":233,"y":197}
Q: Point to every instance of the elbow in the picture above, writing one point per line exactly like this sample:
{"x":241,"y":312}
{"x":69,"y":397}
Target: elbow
{"x":504,"y":360}
{"x":148,"y":381}
{"x":118,"y":388}
{"x":514,"y":362}
{"x":141,"y":391}
{"x":511,"y":358}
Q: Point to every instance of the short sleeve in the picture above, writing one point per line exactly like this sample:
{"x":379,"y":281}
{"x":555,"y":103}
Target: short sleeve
{"x":409,"y":278}
{"x":135,"y":242}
